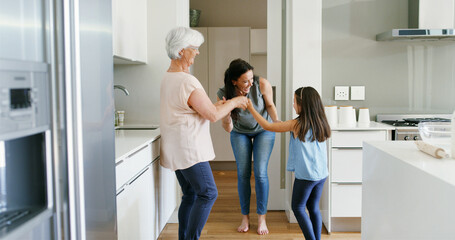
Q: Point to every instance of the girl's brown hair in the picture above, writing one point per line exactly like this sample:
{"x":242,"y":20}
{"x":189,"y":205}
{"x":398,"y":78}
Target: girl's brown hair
{"x":311,"y":116}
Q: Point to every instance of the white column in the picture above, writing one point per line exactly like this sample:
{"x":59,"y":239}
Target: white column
{"x":303,"y":62}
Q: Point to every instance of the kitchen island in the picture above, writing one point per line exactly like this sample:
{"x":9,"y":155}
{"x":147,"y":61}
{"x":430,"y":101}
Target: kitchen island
{"x":406,"y":193}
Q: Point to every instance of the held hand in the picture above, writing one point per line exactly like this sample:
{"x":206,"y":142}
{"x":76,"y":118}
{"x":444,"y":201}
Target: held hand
{"x":250,"y":105}
{"x":220,"y":102}
{"x":241,"y":102}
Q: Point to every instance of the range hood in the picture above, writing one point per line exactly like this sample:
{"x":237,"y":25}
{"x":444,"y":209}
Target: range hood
{"x":428,"y":20}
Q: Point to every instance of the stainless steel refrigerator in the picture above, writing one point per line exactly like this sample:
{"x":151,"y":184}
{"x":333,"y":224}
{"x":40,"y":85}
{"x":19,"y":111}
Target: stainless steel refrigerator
{"x":57,"y":163}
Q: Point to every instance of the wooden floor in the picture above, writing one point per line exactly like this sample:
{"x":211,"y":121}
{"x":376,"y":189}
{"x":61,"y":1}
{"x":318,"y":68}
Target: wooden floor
{"x":225,"y":217}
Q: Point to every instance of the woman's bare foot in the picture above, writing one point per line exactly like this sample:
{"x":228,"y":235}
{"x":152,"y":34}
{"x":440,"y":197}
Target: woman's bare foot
{"x":262,"y":226}
{"x":245,"y":225}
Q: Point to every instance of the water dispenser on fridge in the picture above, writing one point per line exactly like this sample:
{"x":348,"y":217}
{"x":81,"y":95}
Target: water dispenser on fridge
{"x":26,"y":189}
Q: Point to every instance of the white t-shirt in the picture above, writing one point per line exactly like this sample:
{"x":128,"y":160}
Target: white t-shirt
{"x":185,"y":135}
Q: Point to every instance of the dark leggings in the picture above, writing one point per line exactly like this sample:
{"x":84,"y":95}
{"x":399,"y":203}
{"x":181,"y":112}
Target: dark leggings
{"x":307,"y":194}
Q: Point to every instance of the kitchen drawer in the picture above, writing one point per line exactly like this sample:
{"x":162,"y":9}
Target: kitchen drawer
{"x":128,"y":167}
{"x":346,"y":200}
{"x":355,"y":138}
{"x":156,"y":148}
{"x":346,"y":165}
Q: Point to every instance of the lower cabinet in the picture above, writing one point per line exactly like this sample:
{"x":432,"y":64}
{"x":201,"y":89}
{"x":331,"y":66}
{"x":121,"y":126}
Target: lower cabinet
{"x":341,"y":201}
{"x":147,"y":200}
{"x":135,"y":208}
{"x":167,"y":195}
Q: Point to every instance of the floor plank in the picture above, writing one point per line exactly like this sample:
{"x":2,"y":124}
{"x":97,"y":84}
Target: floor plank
{"x":225,"y":218}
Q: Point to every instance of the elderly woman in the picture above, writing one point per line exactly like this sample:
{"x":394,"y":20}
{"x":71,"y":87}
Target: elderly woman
{"x":185,"y":115}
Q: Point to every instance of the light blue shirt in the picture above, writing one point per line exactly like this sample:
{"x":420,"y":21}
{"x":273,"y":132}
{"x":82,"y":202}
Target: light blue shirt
{"x":307,"y":159}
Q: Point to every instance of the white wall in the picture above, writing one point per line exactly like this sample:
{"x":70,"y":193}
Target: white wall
{"x":143,"y":81}
{"x":232,"y":13}
{"x":399,"y":77}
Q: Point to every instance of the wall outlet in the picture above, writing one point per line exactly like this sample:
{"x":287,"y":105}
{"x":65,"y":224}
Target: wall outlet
{"x":341,"y":92}
{"x":357,"y":92}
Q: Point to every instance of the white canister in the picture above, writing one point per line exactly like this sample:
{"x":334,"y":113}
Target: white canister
{"x":364,"y":115}
{"x":331,"y":112}
{"x":347,"y":116}
{"x":121,"y":117}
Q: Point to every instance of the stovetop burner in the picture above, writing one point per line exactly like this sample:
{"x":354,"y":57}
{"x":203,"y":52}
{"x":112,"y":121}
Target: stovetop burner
{"x":413,"y":122}
{"x":397,"y":123}
{"x":406,"y":124}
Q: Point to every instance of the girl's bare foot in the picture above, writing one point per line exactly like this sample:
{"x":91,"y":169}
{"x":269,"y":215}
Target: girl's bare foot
{"x":262,"y":226}
{"x":245,"y":225}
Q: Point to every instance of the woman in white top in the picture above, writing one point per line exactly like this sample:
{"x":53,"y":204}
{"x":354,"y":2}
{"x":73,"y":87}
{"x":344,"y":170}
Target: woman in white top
{"x":185,"y":115}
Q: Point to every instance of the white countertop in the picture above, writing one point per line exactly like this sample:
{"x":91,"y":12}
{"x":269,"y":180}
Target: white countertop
{"x":128,"y":141}
{"x":406,"y":194}
{"x":365,"y":126}
{"x":408,"y":152}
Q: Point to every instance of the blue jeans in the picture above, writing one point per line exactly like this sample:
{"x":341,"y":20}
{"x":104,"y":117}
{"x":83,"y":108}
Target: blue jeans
{"x":259,"y":145}
{"x":199,"y":195}
{"x":307,"y":194}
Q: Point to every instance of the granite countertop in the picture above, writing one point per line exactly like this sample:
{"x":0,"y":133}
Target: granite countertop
{"x":128,"y":141}
{"x":365,"y":126}
{"x":408,"y":152}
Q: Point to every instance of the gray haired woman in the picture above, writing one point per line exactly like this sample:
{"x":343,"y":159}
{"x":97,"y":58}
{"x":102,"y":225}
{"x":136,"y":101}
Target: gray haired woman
{"x":185,"y":115}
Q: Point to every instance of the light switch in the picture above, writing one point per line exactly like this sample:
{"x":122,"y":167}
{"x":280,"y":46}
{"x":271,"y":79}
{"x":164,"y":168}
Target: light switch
{"x":341,"y":92}
{"x":357,"y":92}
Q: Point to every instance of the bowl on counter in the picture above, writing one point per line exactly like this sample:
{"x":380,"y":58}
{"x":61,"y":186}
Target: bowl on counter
{"x":436,"y":133}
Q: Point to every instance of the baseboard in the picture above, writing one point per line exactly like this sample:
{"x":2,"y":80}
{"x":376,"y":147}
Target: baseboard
{"x":174,"y":217}
{"x":290,"y":216}
{"x":223,"y":165}
{"x":346,"y":224}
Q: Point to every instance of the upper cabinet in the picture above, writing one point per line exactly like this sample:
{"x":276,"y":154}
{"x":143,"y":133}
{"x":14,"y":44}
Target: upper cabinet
{"x":258,"y":41}
{"x":129,"y":20}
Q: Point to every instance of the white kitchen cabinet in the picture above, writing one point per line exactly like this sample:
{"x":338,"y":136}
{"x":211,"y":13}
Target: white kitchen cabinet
{"x":156,"y":185}
{"x":258,"y":41}
{"x":147,"y":199}
{"x":135,"y":205}
{"x":342,"y":194}
{"x":167,"y":195}
{"x":129,"y":31}
{"x":126,"y":168}
{"x":221,"y":46}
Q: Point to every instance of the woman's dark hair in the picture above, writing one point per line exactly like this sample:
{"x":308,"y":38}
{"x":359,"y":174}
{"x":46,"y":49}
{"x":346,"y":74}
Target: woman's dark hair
{"x":236,"y":69}
{"x":311,"y":116}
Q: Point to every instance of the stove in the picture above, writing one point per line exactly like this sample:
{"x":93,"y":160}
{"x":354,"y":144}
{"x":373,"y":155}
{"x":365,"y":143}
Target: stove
{"x":407,"y":124}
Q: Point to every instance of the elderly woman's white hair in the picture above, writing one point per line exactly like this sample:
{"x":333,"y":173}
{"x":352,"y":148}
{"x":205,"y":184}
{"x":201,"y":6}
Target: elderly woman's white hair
{"x":180,"y":38}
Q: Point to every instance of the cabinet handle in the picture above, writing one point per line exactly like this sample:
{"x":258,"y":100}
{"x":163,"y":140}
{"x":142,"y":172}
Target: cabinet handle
{"x":346,"y":148}
{"x":348,"y":183}
{"x":119,"y":162}
{"x":140,"y":174}
{"x":138,"y":150}
{"x":123,"y":189}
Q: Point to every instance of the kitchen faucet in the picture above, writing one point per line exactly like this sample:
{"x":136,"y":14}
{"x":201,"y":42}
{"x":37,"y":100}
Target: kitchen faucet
{"x":115,"y":111}
{"x":122,"y":88}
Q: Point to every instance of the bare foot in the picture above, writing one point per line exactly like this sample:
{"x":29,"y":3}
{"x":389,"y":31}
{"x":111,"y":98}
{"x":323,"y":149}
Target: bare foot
{"x":262,"y":226}
{"x":245,"y":225}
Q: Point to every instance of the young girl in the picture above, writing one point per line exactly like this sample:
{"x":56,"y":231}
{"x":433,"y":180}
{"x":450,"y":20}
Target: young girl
{"x":307,"y":156}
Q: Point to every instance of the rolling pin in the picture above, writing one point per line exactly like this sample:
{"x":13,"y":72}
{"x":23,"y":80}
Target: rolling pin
{"x":432,"y":150}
